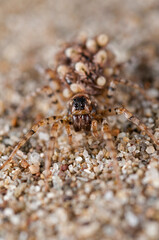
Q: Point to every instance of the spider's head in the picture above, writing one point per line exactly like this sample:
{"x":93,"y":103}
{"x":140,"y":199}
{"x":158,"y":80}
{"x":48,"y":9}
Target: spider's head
{"x":80,"y":107}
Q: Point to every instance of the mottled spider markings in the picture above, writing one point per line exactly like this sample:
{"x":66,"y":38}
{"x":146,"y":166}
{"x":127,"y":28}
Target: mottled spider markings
{"x":86,"y":75}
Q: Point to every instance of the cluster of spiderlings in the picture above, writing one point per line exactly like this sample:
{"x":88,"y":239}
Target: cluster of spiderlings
{"x":85,"y":66}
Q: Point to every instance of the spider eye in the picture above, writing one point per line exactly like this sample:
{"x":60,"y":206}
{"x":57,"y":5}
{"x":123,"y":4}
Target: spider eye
{"x":79,"y":103}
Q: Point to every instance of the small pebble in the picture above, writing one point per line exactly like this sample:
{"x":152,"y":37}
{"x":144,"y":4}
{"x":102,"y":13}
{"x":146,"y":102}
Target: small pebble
{"x":79,"y":159}
{"x":109,"y":196}
{"x":34,"y":158}
{"x":44,"y":136}
{"x":132,"y":148}
{"x":20,"y":189}
{"x":8,"y":212}
{"x":64,"y":167}
{"x":150,"y":149}
{"x":152,"y":230}
{"x":24,"y":164}
{"x":132,"y":219}
{"x":34,"y":168}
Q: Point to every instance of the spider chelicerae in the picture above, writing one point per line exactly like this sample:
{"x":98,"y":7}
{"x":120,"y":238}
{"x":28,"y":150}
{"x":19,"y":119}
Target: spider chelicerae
{"x":85,"y":75}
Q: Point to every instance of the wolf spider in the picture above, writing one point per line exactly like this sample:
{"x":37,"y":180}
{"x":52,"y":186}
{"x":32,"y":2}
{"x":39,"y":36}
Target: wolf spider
{"x":86,"y":75}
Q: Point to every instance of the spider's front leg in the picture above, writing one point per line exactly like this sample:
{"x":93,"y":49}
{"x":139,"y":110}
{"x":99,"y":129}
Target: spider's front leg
{"x":53,"y":136}
{"x":136,"y":86}
{"x":27,"y":136}
{"x":116,"y":81}
{"x":50,"y":150}
{"x":129,"y":116}
{"x":69,"y":132}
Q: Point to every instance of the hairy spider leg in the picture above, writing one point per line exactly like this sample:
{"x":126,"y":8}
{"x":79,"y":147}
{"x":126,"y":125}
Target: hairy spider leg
{"x":27,"y":136}
{"x":28,"y":99}
{"x":94,"y":128}
{"x":114,"y":82}
{"x":50,"y":150}
{"x":136,"y":86}
{"x":111,"y":91}
{"x":129,"y":116}
{"x":107,"y":136}
{"x":69,"y":132}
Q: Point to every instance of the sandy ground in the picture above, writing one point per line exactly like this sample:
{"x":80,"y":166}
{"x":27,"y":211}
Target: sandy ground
{"x":84,"y":201}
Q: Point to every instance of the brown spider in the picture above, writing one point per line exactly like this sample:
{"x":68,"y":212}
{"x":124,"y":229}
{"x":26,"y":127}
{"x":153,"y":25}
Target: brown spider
{"x":86,"y":74}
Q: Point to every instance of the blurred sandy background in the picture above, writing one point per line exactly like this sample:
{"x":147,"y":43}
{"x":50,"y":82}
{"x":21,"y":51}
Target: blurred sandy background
{"x":36,"y":26}
{"x":30,"y":33}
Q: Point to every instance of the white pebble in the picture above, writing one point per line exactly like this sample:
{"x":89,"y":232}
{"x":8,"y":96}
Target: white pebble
{"x":8,"y":212}
{"x":121,"y":135}
{"x":37,"y":188}
{"x":132,"y":219}
{"x":152,"y":230}
{"x":71,"y":168}
{"x":15,"y":219}
{"x":56,"y":167}
{"x":87,"y":171}
{"x":150,"y":149}
{"x":152,"y":92}
{"x":157,"y":133}
{"x":23,"y":236}
{"x":50,"y":195}
{"x":57,"y":182}
{"x":44,"y":136}
{"x":34,"y":158}
{"x":85,"y":154}
{"x":109,"y":195}
{"x":132,"y":148}
{"x":79,"y":159}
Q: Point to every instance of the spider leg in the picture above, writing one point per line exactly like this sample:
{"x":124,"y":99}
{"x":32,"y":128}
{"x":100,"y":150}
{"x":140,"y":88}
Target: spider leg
{"x":137,"y":122}
{"x":94,"y":128}
{"x":111,"y":91}
{"x":69,"y":133}
{"x":50,"y":74}
{"x":53,"y":136}
{"x":131,"y":84}
{"x":27,"y":136}
{"x":28,"y":99}
{"x":111,"y":149}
